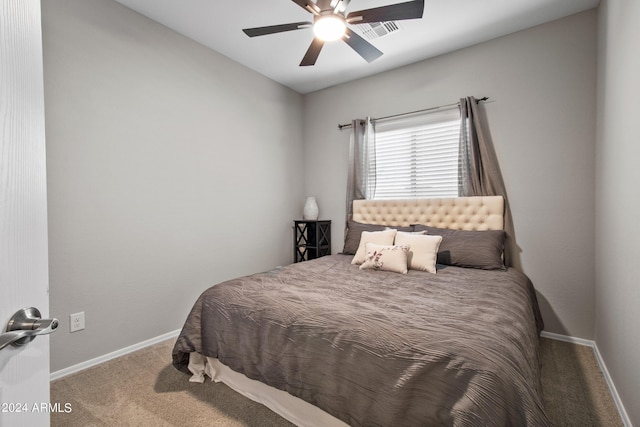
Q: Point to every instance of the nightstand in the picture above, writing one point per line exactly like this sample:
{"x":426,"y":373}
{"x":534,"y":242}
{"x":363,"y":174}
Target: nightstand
{"x":311,"y":239}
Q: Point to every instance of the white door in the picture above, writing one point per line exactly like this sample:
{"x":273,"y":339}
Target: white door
{"x":24,"y":281}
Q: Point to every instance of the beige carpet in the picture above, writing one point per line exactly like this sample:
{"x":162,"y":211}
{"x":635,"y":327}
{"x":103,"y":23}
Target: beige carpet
{"x":575,"y":391}
{"x":143,"y":389}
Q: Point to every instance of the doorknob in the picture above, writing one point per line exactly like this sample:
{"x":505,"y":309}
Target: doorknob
{"x":24,"y":326}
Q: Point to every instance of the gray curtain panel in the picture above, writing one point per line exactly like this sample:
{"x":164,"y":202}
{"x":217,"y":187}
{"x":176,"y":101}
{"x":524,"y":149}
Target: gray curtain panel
{"x":478,"y":169}
{"x":361,"y":174}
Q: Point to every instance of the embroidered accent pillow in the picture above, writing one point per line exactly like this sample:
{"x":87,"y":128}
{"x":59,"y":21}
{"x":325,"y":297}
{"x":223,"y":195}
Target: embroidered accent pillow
{"x":386,"y":257}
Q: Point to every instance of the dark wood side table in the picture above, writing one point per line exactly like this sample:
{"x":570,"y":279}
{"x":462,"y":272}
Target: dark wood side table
{"x":311,"y":239}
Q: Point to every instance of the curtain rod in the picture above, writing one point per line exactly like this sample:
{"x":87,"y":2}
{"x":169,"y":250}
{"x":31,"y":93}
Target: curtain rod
{"x":348,"y":125}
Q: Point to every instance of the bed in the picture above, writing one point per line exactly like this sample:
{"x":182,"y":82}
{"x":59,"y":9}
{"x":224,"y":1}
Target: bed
{"x":452,"y":340}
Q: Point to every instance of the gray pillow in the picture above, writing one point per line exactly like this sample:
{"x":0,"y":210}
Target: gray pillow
{"x":355,"y":229}
{"x":473,"y":249}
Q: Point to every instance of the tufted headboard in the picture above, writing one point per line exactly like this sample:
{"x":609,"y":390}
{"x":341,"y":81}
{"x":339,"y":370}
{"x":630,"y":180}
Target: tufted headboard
{"x":458,"y":213}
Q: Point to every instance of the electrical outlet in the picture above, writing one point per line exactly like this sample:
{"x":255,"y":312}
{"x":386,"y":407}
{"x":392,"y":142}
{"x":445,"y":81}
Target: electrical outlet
{"x":76,"y":322}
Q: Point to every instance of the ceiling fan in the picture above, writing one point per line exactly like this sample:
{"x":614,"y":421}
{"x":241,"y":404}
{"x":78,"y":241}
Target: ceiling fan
{"x":330,"y":23}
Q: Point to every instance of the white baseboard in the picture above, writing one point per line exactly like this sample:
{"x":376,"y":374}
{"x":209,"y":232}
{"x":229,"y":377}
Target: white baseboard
{"x":603,"y":367}
{"x":118,"y":353}
{"x":566,"y":338}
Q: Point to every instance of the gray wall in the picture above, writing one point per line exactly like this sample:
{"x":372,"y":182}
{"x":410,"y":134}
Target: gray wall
{"x":542,"y":85}
{"x":618,"y":199}
{"x":170,"y":168}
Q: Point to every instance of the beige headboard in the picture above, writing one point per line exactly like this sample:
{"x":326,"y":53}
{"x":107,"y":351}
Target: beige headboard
{"x":458,"y":213}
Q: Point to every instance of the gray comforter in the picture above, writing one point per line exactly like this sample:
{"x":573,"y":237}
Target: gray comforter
{"x":376,"y":348}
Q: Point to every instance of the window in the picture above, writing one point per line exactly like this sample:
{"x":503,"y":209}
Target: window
{"x":417,"y":156}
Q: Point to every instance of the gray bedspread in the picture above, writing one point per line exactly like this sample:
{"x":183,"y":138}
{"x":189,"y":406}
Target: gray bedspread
{"x":375,"y":348}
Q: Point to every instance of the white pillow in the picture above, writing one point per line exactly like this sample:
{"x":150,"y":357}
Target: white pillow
{"x":424,"y":250}
{"x":386,"y":257}
{"x":384,"y":237}
{"x":409,"y":232}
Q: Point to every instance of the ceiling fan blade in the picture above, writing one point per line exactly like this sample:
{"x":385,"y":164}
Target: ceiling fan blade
{"x":261,"y":31}
{"x":360,"y":45}
{"x":394,"y":12}
{"x":312,"y":53}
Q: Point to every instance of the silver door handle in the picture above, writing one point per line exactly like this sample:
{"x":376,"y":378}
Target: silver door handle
{"x":24,"y":326}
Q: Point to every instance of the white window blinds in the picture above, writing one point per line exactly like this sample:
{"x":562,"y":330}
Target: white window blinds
{"x":417,"y":156}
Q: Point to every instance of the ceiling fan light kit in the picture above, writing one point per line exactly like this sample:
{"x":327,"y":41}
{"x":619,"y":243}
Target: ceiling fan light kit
{"x":330,"y":24}
{"x":329,"y":27}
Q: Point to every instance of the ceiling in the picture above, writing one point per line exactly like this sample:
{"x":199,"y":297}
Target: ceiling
{"x":447,"y":25}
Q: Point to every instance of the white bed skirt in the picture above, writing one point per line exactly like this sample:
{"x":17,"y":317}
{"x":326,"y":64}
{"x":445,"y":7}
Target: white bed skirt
{"x":289,"y":407}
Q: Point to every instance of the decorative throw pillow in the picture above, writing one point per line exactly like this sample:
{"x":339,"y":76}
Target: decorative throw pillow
{"x":384,"y":237}
{"x":354,"y":231}
{"x":386,"y":257}
{"x":465,"y":248}
{"x":424,"y":250}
